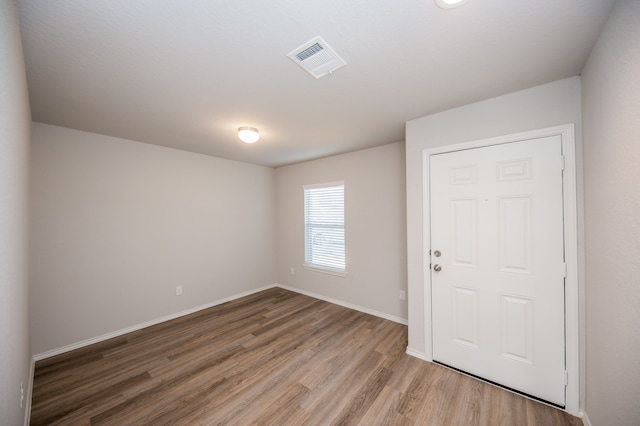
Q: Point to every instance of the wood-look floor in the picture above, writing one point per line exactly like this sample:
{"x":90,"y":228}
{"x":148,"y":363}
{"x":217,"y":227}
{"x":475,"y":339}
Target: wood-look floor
{"x":272,"y":358}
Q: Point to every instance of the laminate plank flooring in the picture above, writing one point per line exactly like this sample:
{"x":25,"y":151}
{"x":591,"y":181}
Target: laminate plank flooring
{"x":271,"y":358}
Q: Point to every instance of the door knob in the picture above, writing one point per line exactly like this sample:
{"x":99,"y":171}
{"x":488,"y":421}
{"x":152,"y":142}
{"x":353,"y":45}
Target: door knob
{"x":437,"y":268}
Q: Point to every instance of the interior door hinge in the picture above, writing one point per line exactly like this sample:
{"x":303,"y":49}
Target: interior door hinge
{"x":564,"y":270}
{"x":566,"y":378}
{"x":562,"y":162}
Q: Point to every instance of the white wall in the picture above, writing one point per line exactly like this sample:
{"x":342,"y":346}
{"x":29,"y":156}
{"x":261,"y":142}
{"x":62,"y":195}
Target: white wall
{"x":374,"y":225}
{"x":539,"y":107}
{"x":117,"y":225}
{"x":15,"y":119}
{"x":611,"y":107}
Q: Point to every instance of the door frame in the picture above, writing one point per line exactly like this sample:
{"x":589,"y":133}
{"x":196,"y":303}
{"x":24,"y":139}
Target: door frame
{"x":569,"y":189}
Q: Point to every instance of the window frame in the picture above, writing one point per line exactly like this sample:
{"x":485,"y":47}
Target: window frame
{"x":307,"y":263}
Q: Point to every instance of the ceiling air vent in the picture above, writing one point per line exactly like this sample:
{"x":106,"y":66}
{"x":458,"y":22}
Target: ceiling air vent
{"x":317,"y":58}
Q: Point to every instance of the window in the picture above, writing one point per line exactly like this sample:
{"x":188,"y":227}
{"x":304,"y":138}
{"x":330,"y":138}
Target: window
{"x":324,"y":227}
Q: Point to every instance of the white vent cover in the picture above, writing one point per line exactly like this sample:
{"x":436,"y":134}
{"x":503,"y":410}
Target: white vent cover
{"x":317,"y":58}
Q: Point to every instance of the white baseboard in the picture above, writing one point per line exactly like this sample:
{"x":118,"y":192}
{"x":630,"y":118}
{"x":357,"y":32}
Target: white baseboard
{"x":137,"y":327}
{"x":417,"y":354}
{"x":29,"y":394}
{"x":345,"y":304}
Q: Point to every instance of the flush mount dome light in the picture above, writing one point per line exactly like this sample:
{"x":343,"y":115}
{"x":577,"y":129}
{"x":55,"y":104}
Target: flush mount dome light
{"x":248,"y":134}
{"x":450,"y":4}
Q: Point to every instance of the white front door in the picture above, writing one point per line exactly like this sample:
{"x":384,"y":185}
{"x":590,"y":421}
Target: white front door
{"x":497,"y":264}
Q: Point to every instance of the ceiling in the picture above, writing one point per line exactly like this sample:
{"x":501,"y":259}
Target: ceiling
{"x":186,"y":74}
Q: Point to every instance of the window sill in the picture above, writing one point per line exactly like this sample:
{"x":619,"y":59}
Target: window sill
{"x":324,"y":270}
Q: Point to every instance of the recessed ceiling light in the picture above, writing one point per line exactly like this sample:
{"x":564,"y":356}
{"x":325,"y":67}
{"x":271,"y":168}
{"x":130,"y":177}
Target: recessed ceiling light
{"x":450,"y":4}
{"x":248,"y":134}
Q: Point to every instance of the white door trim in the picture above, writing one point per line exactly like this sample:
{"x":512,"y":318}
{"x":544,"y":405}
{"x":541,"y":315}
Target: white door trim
{"x":567,"y":133}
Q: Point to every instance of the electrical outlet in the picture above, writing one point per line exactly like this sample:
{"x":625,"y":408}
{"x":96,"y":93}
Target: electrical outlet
{"x":178,"y":290}
{"x":293,"y":271}
{"x":402,"y":295}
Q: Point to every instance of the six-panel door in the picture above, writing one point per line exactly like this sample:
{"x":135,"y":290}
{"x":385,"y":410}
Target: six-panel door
{"x":498,"y":297}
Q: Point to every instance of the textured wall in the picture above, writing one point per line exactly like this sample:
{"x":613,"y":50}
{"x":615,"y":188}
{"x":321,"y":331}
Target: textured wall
{"x":15,"y":120}
{"x":611,"y":107}
{"x":117,"y":225}
{"x":374,"y":225}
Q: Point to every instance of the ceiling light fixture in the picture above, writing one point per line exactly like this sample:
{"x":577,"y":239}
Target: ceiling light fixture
{"x":450,"y":4}
{"x":248,"y":134}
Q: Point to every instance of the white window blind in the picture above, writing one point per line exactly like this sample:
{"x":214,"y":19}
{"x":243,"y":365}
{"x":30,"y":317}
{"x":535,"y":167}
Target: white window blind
{"x":324,"y":227}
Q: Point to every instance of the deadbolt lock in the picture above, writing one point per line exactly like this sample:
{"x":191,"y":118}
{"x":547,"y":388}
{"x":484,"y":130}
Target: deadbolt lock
{"x":437,"y":253}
